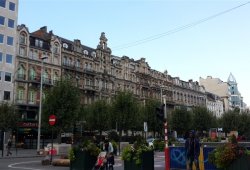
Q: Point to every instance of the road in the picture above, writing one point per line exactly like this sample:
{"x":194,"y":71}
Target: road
{"x":34,"y":163}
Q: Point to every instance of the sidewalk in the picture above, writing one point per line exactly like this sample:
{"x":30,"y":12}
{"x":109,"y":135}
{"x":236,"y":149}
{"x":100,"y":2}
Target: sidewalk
{"x":20,"y":153}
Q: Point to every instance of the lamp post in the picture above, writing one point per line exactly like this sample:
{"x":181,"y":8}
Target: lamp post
{"x":40,"y":107}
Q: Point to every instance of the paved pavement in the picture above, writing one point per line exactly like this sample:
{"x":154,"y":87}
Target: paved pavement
{"x":30,"y":158}
{"x":20,"y":153}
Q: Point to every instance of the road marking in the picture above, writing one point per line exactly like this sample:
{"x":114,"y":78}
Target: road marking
{"x":16,"y":167}
{"x":117,"y":165}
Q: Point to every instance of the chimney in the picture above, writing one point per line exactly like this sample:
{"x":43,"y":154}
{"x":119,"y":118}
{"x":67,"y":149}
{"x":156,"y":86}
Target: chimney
{"x":44,"y":28}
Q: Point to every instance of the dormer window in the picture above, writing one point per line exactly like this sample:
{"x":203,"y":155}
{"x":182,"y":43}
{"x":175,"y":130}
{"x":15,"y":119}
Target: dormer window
{"x":93,"y":54}
{"x":85,"y":52}
{"x":38,"y":43}
{"x":65,"y":45}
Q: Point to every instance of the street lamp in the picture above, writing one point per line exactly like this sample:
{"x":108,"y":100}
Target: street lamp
{"x":40,"y":107}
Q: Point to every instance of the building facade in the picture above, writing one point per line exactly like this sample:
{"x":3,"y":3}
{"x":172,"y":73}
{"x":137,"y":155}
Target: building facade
{"x":95,"y":71}
{"x":214,"y":104}
{"x":236,"y":98}
{"x":34,"y":50}
{"x":8,"y":34}
{"x":219,"y":88}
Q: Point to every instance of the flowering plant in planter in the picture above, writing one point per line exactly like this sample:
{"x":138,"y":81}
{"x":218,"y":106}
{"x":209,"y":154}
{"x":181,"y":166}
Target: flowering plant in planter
{"x":87,"y":146}
{"x":225,"y":154}
{"x":134,"y":153}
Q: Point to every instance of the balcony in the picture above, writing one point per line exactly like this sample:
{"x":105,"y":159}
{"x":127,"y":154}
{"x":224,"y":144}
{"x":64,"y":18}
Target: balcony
{"x":31,"y":102}
{"x":89,"y":70}
{"x":34,"y":78}
{"x":21,"y":77}
{"x":68,"y":64}
{"x":20,"y":101}
{"x":88,"y":87}
{"x":47,"y":81}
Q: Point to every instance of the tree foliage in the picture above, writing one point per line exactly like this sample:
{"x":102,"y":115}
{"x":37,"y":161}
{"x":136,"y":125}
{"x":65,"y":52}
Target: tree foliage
{"x":154,"y":124}
{"x":98,"y":116}
{"x":62,"y":100}
{"x":202,"y":119}
{"x":244,"y":124}
{"x":124,"y":109}
{"x":8,"y":117}
{"x":230,"y":121}
{"x":181,"y":120}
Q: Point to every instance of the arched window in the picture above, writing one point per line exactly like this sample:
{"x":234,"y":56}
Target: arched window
{"x":70,"y":62}
{"x":32,"y":97}
{"x":21,"y":73}
{"x":93,"y":54}
{"x":56,"y":49}
{"x":85,"y":52}
{"x":65,"y":60}
{"x":23,"y":38}
{"x":32,"y":74}
{"x":45,"y":77}
{"x":56,"y":77}
{"x":20,"y":94}
{"x":77,"y":63}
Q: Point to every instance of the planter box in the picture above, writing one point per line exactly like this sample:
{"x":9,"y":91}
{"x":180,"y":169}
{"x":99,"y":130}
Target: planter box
{"x":83,"y":161}
{"x":147,"y":162}
{"x":242,"y":163}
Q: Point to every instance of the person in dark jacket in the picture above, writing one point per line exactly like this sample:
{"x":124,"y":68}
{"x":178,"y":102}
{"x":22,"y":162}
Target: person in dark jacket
{"x":192,"y":149}
{"x":8,"y":147}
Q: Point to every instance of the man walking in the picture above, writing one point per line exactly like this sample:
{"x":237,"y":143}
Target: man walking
{"x":192,"y":148}
{"x":8,"y":147}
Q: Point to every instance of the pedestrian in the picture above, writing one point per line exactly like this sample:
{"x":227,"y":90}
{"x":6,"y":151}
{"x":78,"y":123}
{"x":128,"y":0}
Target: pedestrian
{"x":9,"y":143}
{"x":108,"y":147}
{"x":192,"y":149}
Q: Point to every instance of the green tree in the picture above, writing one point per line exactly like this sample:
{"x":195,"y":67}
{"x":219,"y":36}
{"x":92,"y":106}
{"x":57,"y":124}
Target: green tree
{"x":137,"y":118}
{"x":62,"y":100}
{"x":98,"y":116}
{"x":8,"y":117}
{"x":181,"y":120}
{"x":202,"y":119}
{"x":244,"y":124}
{"x":230,"y":121}
{"x":124,"y":108}
{"x":154,"y":124}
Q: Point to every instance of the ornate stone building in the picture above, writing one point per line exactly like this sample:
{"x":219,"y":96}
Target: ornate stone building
{"x":31,"y":48}
{"x":98,"y":73}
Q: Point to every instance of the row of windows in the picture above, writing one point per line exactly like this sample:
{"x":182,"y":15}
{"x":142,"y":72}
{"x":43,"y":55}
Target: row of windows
{"x":10,"y":40}
{"x":11,"y":22}
{"x":12,"y":6}
{"x":6,"y":76}
{"x":8,"y":58}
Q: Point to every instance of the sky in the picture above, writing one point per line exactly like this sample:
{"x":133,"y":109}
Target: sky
{"x":179,"y":36}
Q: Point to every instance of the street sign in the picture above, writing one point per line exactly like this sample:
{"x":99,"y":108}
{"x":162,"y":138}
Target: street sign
{"x":52,"y":120}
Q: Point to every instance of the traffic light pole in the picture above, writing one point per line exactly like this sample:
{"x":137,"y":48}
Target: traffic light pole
{"x":167,"y":156}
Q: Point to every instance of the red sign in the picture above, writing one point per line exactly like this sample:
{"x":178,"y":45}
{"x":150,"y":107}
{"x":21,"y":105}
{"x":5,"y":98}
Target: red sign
{"x":52,"y":120}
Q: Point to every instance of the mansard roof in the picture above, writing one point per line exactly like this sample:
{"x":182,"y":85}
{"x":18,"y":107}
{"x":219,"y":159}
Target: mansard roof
{"x":71,"y":45}
{"x":42,"y":34}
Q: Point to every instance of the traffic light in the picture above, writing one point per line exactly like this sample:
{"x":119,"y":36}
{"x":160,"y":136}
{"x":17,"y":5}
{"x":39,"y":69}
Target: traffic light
{"x":160,"y":112}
